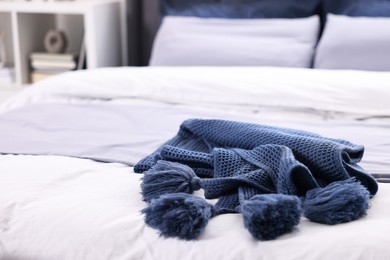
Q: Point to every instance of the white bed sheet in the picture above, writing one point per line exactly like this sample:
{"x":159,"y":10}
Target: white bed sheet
{"x":54,"y":207}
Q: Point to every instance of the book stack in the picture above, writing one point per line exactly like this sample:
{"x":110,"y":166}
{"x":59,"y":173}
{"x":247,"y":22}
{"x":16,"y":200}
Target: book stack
{"x":44,"y":64}
{"x":7,"y":76}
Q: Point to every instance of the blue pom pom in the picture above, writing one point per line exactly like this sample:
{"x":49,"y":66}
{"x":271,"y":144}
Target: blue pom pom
{"x":178,"y":215}
{"x":339,"y":202}
{"x":268,"y":216}
{"x":168,"y":177}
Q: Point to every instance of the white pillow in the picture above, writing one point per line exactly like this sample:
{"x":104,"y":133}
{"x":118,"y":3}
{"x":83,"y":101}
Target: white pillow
{"x":361,"y":43}
{"x":192,"y":41}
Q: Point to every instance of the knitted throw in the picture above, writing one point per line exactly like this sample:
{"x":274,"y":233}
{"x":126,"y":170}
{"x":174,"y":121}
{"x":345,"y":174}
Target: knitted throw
{"x":239,"y":160}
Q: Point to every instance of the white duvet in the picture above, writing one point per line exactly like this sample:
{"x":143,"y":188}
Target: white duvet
{"x":54,"y":207}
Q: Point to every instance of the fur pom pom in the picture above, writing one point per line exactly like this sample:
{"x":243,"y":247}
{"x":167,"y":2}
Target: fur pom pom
{"x":271,"y":215}
{"x":168,"y":177}
{"x":339,"y":202}
{"x":179,"y":215}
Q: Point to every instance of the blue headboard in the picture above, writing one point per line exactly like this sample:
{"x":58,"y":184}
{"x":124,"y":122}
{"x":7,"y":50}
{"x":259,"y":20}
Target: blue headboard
{"x":152,"y":11}
{"x":144,"y":16}
{"x":240,"y":9}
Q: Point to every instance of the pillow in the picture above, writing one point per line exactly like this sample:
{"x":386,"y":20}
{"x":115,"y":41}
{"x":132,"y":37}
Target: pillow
{"x":361,"y":43}
{"x":372,"y":8}
{"x":241,"y":8}
{"x":192,"y":41}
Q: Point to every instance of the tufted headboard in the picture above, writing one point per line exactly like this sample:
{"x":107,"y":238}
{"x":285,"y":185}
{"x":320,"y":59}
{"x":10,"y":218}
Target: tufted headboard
{"x":144,"y":16}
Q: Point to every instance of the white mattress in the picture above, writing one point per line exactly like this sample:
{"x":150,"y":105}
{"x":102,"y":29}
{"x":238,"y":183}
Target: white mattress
{"x":54,"y":207}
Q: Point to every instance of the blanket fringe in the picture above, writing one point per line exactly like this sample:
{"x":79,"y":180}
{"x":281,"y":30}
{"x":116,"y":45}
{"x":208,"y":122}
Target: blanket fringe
{"x":168,"y":177}
{"x":268,"y":216}
{"x":179,"y":215}
{"x":339,"y":202}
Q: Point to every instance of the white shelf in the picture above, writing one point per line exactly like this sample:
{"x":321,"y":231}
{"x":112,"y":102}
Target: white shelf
{"x":65,"y":7}
{"x":99,"y":22}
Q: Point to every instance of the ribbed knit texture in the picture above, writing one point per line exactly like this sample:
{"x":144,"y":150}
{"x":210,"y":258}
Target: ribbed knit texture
{"x":240,"y":160}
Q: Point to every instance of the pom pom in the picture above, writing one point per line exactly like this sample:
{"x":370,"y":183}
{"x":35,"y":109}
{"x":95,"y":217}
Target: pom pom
{"x":168,"y":177}
{"x":339,"y":202}
{"x":268,"y":216}
{"x":178,"y":215}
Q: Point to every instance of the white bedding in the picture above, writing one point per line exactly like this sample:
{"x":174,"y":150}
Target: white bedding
{"x":54,"y":207}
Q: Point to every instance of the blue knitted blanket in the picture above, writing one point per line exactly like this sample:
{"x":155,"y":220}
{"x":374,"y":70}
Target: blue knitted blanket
{"x":239,"y":160}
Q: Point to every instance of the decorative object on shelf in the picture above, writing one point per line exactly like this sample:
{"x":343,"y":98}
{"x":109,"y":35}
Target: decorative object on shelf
{"x":55,"y":41}
{"x":46,"y":64}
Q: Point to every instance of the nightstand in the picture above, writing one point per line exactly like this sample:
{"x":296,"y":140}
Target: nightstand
{"x":98,"y":24}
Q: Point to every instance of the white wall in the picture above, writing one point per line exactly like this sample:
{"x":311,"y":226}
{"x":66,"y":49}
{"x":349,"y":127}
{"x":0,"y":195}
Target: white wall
{"x":72,"y":25}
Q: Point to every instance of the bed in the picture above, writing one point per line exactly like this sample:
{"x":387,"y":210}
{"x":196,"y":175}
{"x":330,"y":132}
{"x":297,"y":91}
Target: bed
{"x":67,"y":191}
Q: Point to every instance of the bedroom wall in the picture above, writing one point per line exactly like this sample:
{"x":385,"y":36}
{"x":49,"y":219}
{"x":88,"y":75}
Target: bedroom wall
{"x":127,"y":59}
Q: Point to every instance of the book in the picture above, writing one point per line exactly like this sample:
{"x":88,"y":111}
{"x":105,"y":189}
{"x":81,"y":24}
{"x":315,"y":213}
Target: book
{"x":7,"y":76}
{"x":6,"y":72}
{"x":53,"y":56}
{"x":53,"y":64}
{"x":36,"y":76}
